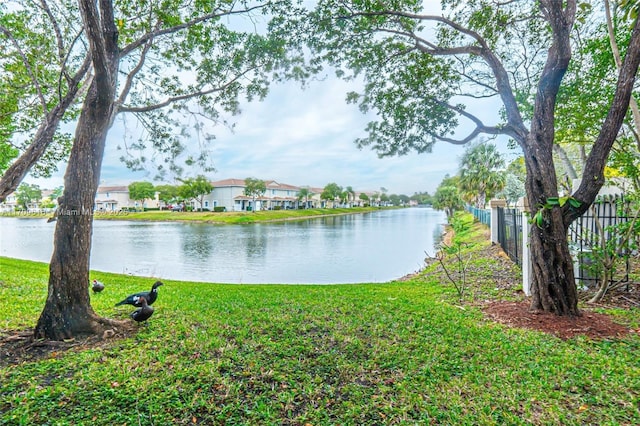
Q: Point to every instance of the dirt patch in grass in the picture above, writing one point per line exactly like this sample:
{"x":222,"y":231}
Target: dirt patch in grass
{"x":19,"y":347}
{"x":590,"y":324}
{"x":517,"y":313}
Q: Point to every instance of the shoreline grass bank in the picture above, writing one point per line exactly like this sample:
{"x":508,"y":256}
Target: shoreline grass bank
{"x":242,"y":217}
{"x":403,"y":352}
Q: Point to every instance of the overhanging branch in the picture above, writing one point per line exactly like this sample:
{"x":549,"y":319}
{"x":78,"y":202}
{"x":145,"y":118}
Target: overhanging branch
{"x":502,"y":83}
{"x":480,"y":127}
{"x":160,"y":32}
{"x":27,"y":65}
{"x":169,"y":101}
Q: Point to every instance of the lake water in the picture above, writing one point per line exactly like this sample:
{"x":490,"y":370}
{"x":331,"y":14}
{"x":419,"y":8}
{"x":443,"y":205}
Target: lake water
{"x":371,"y":247}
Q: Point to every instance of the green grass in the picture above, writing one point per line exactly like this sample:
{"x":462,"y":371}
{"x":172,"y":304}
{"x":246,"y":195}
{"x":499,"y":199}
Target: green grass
{"x":215,"y":217}
{"x":364,"y":354}
{"x":233,"y":217}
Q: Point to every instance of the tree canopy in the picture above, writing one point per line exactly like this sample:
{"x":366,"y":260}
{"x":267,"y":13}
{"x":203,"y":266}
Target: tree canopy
{"x":481,"y":173}
{"x":254,"y":188}
{"x":28,"y":194}
{"x":195,"y":188}
{"x":447,"y":196}
{"x":332,"y":191}
{"x":167,"y":193}
{"x":213,"y":64}
{"x":141,"y":191}
{"x":420,"y":70}
{"x":305,"y":194}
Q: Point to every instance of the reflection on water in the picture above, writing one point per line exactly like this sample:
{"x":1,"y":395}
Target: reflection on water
{"x":255,"y":243}
{"x":197,"y":243}
{"x":372,"y":247}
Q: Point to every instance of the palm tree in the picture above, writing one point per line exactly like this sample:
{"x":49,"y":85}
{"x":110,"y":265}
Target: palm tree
{"x":481,"y":172}
{"x":351,"y":195}
{"x":305,"y":193}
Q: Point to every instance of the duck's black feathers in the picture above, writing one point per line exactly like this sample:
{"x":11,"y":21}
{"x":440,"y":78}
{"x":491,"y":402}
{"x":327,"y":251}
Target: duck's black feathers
{"x":143,"y":313}
{"x":150,"y":296}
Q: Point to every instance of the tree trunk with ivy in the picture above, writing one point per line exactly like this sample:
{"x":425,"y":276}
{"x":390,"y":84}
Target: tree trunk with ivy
{"x":553,"y":287}
{"x":553,"y":283}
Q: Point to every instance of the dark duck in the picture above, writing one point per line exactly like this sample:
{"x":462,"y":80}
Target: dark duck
{"x":149,"y":296}
{"x":143,"y":313}
{"x":97,"y":286}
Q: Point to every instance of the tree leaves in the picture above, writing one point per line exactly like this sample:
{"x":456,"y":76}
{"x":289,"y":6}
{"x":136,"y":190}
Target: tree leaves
{"x":539,"y":218}
{"x":481,"y":174}
{"x":178,"y":56}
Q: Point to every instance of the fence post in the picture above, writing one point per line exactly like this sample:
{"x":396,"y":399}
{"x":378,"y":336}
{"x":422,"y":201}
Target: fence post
{"x":523,"y":206}
{"x":494,"y":204}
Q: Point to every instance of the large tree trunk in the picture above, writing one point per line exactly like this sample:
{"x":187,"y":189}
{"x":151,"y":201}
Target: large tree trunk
{"x":553,"y":286}
{"x":68,"y":312}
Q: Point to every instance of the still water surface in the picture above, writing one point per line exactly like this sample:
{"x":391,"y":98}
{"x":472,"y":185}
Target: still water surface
{"x":372,"y":247}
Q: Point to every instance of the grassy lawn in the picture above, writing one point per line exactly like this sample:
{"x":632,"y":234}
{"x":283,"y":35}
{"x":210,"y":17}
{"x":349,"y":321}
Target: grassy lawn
{"x":360,"y":354}
{"x":233,"y":217}
{"x":214,"y":217}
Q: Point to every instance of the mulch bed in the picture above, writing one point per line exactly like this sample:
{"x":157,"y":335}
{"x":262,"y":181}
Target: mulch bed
{"x":590,"y":324}
{"x":19,"y":346}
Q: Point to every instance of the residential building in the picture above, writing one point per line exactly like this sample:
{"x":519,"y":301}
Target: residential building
{"x":281,"y":195}
{"x":112,"y":198}
{"x":9,"y":203}
{"x":315,"y":201}
{"x":115,"y":198}
{"x":229,"y":193}
{"x":226,"y":193}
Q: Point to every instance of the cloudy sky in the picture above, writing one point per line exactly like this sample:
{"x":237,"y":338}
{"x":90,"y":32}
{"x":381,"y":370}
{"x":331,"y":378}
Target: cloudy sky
{"x":305,"y":137}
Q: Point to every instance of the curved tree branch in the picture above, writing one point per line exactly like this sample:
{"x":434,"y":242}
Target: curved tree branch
{"x":63,"y":71}
{"x":129,"y":82}
{"x":480,"y":128}
{"x":56,"y":30}
{"x":192,"y":95}
{"x":153,"y":34}
{"x":633,"y":104}
{"x":12,"y":177}
{"x":503,"y":86}
{"x":25,"y":61}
